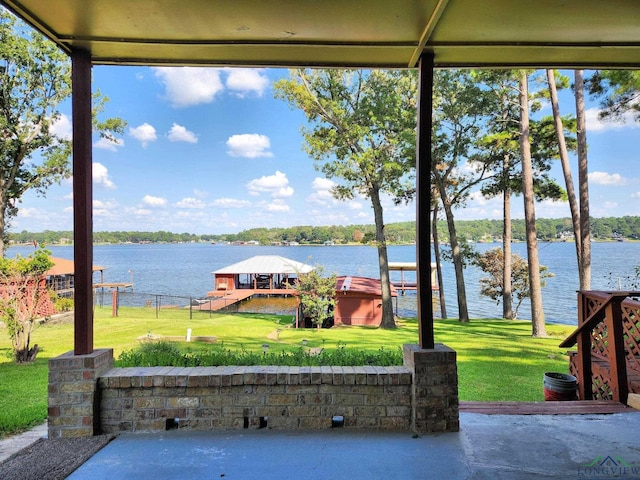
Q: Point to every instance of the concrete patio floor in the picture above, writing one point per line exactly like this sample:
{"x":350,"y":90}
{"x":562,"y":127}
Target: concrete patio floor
{"x":487,"y":447}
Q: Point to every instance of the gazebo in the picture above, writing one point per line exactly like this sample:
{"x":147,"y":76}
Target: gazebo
{"x":61,"y":277}
{"x":422,"y":34}
{"x":267,"y":273}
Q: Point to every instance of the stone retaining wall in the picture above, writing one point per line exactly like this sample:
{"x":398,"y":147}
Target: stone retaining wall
{"x":205,"y":398}
{"x":88,"y":396}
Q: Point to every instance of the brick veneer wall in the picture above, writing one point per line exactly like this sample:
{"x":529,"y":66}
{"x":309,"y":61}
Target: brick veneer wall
{"x":88,"y":396}
{"x":434,"y":393}
{"x":72,"y":393}
{"x":205,"y":398}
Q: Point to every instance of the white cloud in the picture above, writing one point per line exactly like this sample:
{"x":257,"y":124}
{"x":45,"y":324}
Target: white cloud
{"x":62,"y":127}
{"x":25,"y":212}
{"x":249,"y":145}
{"x":602,"y":207}
{"x":479,"y":206}
{"x":595,"y":125}
{"x":604,"y":178}
{"x":106,"y":144}
{"x":178,"y":133}
{"x":190,"y":202}
{"x":230,"y":203}
{"x":321,"y":194}
{"x":103,"y":209}
{"x":552,"y":209}
{"x":320,"y":184}
{"x":144,"y":133}
{"x":143,"y":212}
{"x":188,"y":86}
{"x":200,"y":194}
{"x":278,"y":205}
{"x":479,"y":199}
{"x":101,"y":176}
{"x":635,"y":195}
{"x":283,"y":192}
{"x":354,"y":205}
{"x":277,"y":185}
{"x":246,"y":80}
{"x":154,"y":201}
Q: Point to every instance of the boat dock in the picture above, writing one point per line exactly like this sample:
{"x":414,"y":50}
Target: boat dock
{"x":214,"y":303}
{"x":219,"y":299}
{"x":402,"y":267}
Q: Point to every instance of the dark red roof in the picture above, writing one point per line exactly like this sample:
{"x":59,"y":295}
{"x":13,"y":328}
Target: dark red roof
{"x":369,"y":286}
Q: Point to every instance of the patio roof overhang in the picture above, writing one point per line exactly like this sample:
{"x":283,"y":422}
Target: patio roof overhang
{"x":339,"y":33}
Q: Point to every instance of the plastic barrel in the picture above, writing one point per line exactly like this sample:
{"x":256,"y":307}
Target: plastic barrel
{"x":559,"y":386}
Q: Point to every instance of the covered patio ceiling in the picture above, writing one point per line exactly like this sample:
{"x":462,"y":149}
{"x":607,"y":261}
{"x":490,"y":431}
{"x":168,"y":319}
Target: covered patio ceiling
{"x":320,"y":33}
{"x":354,"y":33}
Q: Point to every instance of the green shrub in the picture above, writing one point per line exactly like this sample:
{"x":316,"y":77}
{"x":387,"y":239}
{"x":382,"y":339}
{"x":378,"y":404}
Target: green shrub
{"x":152,"y":354}
{"x":63,"y":304}
{"x":162,"y":353}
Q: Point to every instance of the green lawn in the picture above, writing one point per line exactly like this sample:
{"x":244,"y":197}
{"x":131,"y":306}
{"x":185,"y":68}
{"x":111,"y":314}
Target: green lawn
{"x":497,"y":359}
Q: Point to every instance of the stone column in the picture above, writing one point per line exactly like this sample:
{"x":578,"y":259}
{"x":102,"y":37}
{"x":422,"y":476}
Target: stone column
{"x":434,"y":393}
{"x":73,"y":381}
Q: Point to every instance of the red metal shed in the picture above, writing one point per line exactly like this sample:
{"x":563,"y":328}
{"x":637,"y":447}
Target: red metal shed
{"x":359,"y":301}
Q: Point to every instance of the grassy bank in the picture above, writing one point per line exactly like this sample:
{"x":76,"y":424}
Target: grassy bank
{"x":497,"y":360}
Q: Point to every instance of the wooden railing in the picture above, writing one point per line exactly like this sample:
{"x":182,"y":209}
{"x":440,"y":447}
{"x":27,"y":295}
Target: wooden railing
{"x":607,"y":363}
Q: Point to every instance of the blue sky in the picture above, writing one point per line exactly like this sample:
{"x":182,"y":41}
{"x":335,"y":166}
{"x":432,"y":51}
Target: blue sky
{"x":209,"y":150}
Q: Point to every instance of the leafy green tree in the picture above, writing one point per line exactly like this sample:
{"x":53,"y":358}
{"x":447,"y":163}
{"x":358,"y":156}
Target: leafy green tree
{"x":502,"y":154}
{"x":435,"y":204}
{"x":363,"y":135}
{"x":491,"y":262}
{"x":579,"y":210}
{"x":317,"y":295}
{"x":35,"y":77}
{"x":459,"y":109}
{"x":22,"y":292}
{"x":528,"y":193}
{"x":500,"y":151}
{"x":584,"y":252}
{"x":619,"y":91}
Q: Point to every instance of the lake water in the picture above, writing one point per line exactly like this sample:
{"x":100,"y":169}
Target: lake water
{"x":186,"y":270}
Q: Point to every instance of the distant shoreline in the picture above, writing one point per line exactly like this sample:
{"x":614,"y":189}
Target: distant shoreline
{"x":350,"y":244}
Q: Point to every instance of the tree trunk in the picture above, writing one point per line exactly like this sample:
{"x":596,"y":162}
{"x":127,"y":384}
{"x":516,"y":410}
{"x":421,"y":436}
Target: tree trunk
{"x":537,"y":314}
{"x":463,"y":312}
{"x":583,"y":185}
{"x":28,"y":355}
{"x":566,"y":168}
{"x":507,"y":290}
{"x":436,"y":254}
{"x":3,"y":225}
{"x":388,"y":320}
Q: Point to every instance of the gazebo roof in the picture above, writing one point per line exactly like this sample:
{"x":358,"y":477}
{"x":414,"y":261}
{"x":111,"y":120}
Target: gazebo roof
{"x":63,"y":266}
{"x":266,"y":264}
{"x":356,"y":33}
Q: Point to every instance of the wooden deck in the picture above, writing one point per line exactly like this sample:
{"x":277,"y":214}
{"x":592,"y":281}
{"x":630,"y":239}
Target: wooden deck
{"x":224,"y":298}
{"x":577,"y":407}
